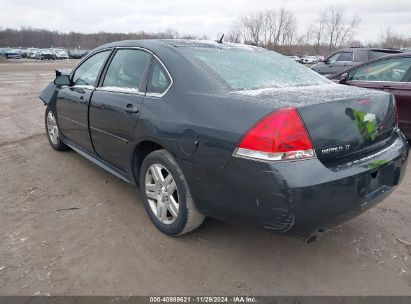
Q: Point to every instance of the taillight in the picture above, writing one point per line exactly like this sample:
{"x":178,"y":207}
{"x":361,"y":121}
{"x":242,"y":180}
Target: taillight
{"x":279,"y":136}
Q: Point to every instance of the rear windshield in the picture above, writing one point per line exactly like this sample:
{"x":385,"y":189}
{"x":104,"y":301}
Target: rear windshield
{"x":251,"y":68}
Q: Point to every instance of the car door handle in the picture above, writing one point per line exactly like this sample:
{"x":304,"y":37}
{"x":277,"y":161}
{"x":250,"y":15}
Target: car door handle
{"x":131,"y":109}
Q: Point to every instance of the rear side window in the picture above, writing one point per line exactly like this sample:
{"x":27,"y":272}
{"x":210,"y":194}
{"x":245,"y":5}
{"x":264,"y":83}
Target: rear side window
{"x":158,"y":81}
{"x":345,"y":56}
{"x":360,"y":55}
{"x":392,"y":70}
{"x":127,"y":68}
{"x":87,"y":72}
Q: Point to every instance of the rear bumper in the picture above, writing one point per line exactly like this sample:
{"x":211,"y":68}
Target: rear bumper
{"x":296,"y":197}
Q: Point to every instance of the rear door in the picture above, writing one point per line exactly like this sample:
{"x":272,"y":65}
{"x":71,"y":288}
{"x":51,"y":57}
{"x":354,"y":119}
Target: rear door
{"x":116,"y":105}
{"x":403,"y":98}
{"x":391,"y":75}
{"x":73,"y":102}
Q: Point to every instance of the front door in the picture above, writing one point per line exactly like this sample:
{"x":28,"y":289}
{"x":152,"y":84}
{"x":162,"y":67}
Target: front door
{"x":116,"y":105}
{"x":73,"y":102}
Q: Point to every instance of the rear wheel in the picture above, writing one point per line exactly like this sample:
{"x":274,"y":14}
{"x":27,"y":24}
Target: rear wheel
{"x":166,"y":196}
{"x":53,"y":132}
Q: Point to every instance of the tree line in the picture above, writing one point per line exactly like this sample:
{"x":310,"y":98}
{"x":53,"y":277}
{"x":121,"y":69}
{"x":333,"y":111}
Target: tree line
{"x":333,"y":28}
{"x":40,"y":38}
{"x":275,"y":29}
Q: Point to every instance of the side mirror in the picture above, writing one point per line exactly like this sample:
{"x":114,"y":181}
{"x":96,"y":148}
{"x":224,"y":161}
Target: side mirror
{"x":343,"y":78}
{"x":62,"y":80}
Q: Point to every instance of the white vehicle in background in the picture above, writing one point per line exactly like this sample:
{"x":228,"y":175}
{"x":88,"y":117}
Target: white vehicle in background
{"x":309,"y":59}
{"x":320,"y":58}
{"x":31,"y":53}
{"x":295,"y":58}
{"x":60,"y":54}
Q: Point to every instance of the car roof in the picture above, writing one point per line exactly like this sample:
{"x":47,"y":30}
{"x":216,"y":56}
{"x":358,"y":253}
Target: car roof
{"x":372,"y":49}
{"x":156,"y":44}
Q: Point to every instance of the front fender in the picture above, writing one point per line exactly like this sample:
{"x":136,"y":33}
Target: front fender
{"x":49,"y":94}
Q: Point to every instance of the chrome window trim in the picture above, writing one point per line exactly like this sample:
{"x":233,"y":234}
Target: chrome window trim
{"x":151,"y":94}
{"x":90,"y":87}
{"x":120,"y":90}
{"x":81,"y":86}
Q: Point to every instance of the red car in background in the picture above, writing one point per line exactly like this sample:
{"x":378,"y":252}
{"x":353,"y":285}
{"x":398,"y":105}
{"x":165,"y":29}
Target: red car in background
{"x":389,"y":73}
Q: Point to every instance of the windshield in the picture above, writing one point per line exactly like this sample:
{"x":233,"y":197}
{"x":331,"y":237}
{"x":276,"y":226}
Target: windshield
{"x":251,"y":68}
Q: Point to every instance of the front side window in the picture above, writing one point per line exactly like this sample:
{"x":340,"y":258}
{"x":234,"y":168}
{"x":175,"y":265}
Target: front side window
{"x":127,"y":68}
{"x":251,"y":68}
{"x":392,"y":70}
{"x":345,"y":56}
{"x":333,"y":58}
{"x":158,"y":81}
{"x":87,"y":72}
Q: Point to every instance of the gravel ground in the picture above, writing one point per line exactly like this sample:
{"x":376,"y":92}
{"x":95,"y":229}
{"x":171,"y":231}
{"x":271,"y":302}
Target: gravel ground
{"x":70,"y":228}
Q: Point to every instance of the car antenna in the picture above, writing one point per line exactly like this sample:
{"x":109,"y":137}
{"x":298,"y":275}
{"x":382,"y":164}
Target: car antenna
{"x":221,"y":39}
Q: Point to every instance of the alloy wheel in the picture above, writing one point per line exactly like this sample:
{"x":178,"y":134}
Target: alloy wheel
{"x":162,"y":194}
{"x":52,"y":128}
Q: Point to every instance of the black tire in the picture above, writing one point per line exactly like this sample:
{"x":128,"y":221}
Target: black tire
{"x":55,"y":142}
{"x":188,"y":217}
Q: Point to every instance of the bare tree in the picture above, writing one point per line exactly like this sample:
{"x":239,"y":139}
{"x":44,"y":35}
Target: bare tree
{"x":253,"y":26}
{"x":236,"y":33}
{"x":339,"y":28}
{"x":319,"y":30}
{"x":274,"y":29}
{"x":391,"y":39}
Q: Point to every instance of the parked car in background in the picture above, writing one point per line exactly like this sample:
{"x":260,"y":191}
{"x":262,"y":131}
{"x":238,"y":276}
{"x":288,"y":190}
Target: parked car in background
{"x":32,"y":52}
{"x":23,"y":52}
{"x":3,"y":52}
{"x":45,"y":54}
{"x":319,"y":58}
{"x":60,"y":54}
{"x":294,"y":57}
{"x":234,"y":132}
{"x":309,"y":59}
{"x":77,"y":54}
{"x":388,"y":73}
{"x":11,"y":53}
{"x":349,"y":57}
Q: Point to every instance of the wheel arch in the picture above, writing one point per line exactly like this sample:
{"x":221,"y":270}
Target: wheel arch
{"x":141,"y":150}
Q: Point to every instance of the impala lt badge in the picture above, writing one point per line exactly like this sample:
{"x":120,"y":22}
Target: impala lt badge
{"x":335,"y":149}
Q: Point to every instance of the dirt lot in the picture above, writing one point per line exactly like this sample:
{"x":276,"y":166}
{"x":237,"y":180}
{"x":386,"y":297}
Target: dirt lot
{"x":109,"y":247}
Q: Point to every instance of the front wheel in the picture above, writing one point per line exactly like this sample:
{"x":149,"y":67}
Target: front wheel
{"x":53,"y":131}
{"x":166,"y":196}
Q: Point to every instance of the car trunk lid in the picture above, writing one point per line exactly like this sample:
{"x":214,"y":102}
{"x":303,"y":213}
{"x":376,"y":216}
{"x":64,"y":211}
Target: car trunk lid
{"x":342,"y":121}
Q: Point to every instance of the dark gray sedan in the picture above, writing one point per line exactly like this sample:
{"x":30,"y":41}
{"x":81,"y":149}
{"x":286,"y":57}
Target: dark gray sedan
{"x":229,"y":131}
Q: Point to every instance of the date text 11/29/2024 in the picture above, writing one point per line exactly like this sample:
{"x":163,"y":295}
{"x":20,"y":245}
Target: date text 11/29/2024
{"x":203,"y":299}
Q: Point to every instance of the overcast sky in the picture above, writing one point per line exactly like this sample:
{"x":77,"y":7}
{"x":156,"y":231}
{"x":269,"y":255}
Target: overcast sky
{"x":198,"y":17}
